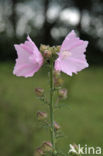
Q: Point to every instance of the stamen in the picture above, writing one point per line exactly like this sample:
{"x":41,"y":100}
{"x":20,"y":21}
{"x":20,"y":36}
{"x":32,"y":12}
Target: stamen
{"x":66,"y":54}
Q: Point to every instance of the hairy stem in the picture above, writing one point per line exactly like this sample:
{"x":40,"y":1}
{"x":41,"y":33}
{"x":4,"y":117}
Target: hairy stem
{"x":51,"y":106}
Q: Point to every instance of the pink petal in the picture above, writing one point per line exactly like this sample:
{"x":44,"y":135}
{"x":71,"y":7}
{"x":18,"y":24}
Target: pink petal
{"x":58,"y":65}
{"x":29,"y":59}
{"x":76,"y":61}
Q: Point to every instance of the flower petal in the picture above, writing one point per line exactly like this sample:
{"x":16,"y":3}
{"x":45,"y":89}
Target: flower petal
{"x":71,"y":57}
{"x":29,"y":59}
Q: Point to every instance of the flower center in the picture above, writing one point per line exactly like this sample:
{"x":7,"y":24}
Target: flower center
{"x":66,"y":54}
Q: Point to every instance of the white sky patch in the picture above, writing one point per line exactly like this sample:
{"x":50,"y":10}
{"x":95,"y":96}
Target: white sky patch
{"x":53,"y":13}
{"x":58,"y":32}
{"x":85,"y":20}
{"x":4,"y":17}
{"x":26,"y":14}
{"x":100,"y":32}
{"x":70,"y":16}
{"x":39,"y":20}
{"x":24,"y":9}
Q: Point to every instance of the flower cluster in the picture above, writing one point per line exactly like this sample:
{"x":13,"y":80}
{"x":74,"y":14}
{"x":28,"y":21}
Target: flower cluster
{"x":68,"y":58}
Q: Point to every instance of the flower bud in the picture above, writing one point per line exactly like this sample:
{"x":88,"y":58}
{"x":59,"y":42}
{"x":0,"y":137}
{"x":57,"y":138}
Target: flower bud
{"x":53,"y":50}
{"x":56,"y":126}
{"x":58,"y":48}
{"x":38,"y":152}
{"x":58,"y":82}
{"x":47,"y":53}
{"x":41,"y":115}
{"x":39,"y":91}
{"x":43,"y":47}
{"x":62,"y":93}
{"x":47,"y":147}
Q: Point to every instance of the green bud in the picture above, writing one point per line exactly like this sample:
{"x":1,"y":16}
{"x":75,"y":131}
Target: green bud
{"x":43,"y":47}
{"x":58,"y":48}
{"x":47,"y":147}
{"x":53,"y":50}
{"x":41,"y":115}
{"x":56,"y":126}
{"x":39,"y":91}
{"x":62,"y":93}
{"x":47,"y":54}
{"x":38,"y":152}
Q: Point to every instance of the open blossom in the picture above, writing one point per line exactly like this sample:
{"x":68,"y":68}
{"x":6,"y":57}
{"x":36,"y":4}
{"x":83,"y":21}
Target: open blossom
{"x":29,"y":59}
{"x":71,"y":57}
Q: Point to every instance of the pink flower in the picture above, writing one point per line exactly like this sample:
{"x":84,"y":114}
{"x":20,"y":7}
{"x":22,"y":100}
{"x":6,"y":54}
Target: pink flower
{"x":71,"y":57}
{"x":29,"y":59}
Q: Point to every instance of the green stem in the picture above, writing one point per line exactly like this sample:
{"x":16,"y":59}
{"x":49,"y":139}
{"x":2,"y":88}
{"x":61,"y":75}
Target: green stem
{"x":51,"y":106}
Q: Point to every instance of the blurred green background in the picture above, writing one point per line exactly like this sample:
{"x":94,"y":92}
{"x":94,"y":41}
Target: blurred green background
{"x":48,"y":21}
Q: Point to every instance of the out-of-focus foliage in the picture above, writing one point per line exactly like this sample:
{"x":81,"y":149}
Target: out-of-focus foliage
{"x":81,"y":119}
{"x":48,"y":21}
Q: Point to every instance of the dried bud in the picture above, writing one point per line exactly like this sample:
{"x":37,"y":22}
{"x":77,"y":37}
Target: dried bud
{"x":41,"y":115}
{"x":47,"y":53}
{"x":38,"y":152}
{"x":47,"y":147}
{"x":43,"y":47}
{"x":58,"y":82}
{"x":62,"y":93}
{"x":56,"y":126}
{"x":39,"y":91}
